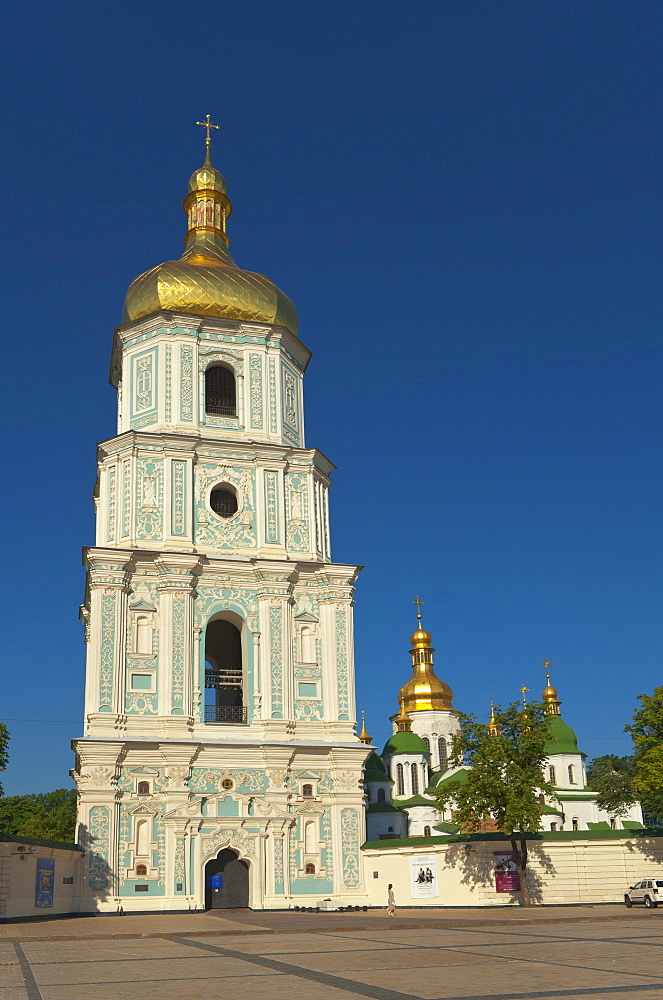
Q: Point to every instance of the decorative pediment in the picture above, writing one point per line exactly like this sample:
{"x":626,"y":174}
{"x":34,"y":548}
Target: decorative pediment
{"x":306,"y":618}
{"x":142,"y":606}
{"x":144,"y":810}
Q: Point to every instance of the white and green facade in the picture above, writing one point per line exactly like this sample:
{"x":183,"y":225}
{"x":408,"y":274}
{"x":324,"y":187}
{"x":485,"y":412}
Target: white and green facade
{"x":191,"y":750}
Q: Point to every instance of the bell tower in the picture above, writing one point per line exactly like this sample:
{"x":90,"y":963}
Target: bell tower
{"x":219,"y":705}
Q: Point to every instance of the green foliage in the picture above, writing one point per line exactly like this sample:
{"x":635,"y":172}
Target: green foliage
{"x":647,"y":734}
{"x":613,"y":778}
{"x":505,"y":777}
{"x":48,"y":816}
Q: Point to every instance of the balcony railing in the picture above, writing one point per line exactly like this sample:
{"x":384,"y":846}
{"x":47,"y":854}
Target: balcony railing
{"x":226,"y":713}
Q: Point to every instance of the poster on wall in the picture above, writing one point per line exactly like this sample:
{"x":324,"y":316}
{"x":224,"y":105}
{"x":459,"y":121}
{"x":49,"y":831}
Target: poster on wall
{"x":423,"y":876}
{"x":45,"y":882}
{"x":507,"y":878}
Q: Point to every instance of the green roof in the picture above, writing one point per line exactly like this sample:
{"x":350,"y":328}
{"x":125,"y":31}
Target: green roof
{"x":447,"y":827}
{"x":562,"y":738}
{"x":459,"y":777}
{"x":10,"y":838}
{"x":405,"y":742}
{"x":632,"y":824}
{"x":414,"y":800}
{"x":383,"y":807}
{"x":374,"y":769}
{"x":601,"y":825}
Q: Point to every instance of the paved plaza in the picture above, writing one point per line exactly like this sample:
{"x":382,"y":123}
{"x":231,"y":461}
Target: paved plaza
{"x":571,"y":953}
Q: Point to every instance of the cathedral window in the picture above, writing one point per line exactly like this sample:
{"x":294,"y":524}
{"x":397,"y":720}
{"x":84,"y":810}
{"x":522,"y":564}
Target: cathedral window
{"x":400,"y":781}
{"x":223,"y":501}
{"x":575,"y":824}
{"x":381,"y":795}
{"x":307,"y":791}
{"x":442,"y":751}
{"x":143,"y":636}
{"x":572,"y":777}
{"x":220,"y":391}
{"x":553,"y":827}
{"x":309,"y":869}
{"x":414,"y":771}
{"x":227,"y":784}
{"x":143,"y":788}
{"x":141,"y":870}
{"x":426,"y":831}
{"x":427,"y":742}
{"x":552,"y":776}
{"x":224,"y":676}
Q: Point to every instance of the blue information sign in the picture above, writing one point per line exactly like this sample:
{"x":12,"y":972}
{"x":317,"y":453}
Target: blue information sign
{"x":45,"y":882}
{"x":217,"y":881}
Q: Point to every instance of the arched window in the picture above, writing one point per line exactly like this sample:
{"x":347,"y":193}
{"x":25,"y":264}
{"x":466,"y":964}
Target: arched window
{"x":400,"y":783}
{"x":142,"y":839}
{"x":143,"y":788}
{"x":572,"y":777}
{"x":223,"y":501}
{"x":427,"y":742}
{"x":310,"y":837}
{"x":553,"y":827}
{"x":574,"y":823}
{"x":381,"y":795}
{"x":552,"y":776}
{"x":414,"y":771}
{"x":143,"y":643}
{"x":426,"y":831}
{"x":141,"y":870}
{"x":442,"y":751}
{"x":613,"y":823}
{"x":542,"y":799}
{"x":309,"y":869}
{"x":220,"y":392}
{"x":224,"y":698}
{"x":307,"y":791}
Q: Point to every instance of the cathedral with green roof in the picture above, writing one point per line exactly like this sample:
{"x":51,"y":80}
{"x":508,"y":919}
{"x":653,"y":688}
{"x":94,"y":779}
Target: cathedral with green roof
{"x":401,"y":781}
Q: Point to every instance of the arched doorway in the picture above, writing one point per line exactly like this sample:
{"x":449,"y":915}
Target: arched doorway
{"x":226,"y":881}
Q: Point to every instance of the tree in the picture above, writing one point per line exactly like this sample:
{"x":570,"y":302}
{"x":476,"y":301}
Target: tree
{"x":46,"y":816}
{"x":613,"y":778}
{"x":504,"y":780}
{"x":647,"y":734}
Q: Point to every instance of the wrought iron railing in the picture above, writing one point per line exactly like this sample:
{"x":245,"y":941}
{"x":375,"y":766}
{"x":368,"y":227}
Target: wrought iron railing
{"x":226,"y":713}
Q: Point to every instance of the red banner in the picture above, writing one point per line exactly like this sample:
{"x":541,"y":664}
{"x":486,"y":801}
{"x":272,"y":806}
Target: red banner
{"x":507,"y":878}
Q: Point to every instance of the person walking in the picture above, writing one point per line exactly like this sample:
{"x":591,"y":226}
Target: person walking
{"x":391,"y":901}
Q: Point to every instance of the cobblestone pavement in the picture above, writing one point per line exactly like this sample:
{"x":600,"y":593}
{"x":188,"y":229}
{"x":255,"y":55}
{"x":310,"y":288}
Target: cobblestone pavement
{"x":458,"y":957}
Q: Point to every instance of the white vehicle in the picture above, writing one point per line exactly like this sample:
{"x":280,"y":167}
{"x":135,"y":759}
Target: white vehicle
{"x":648,"y":891}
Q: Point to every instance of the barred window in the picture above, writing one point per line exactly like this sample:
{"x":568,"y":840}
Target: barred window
{"x":141,"y":870}
{"x":143,"y":788}
{"x":220,"y":391}
{"x":442,"y":751}
{"x":414,"y":770}
{"x":223,"y":502}
{"x":381,"y":795}
{"x":400,"y":783}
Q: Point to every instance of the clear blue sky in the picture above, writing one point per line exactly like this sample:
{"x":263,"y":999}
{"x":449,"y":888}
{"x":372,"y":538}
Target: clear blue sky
{"x":464,"y":201}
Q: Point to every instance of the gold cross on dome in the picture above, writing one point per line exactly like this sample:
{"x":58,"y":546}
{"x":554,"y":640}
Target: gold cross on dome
{"x":419,"y":606}
{"x":547,"y":664}
{"x":207,"y":124}
{"x":523,"y":690}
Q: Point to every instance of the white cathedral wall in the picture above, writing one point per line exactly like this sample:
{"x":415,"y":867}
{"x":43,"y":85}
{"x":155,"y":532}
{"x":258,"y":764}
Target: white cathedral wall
{"x":431,"y":725}
{"x":593,"y":869}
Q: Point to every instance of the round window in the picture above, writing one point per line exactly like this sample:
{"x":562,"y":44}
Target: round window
{"x":223,"y":502}
{"x":227,"y":784}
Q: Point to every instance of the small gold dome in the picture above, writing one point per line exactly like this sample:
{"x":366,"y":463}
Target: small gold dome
{"x":549,"y":696}
{"x":421,"y":638}
{"x":206,"y":280}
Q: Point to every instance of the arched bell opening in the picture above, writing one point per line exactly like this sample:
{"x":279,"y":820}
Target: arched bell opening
{"x":225,"y":670}
{"x":226,"y":881}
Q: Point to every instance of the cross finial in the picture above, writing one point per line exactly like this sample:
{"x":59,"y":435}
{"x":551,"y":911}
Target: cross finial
{"x":419,"y":606}
{"x":523,"y":690}
{"x":207,"y":124}
{"x":547,"y":665}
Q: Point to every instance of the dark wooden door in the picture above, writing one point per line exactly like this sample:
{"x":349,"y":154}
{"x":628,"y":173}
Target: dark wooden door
{"x":226,"y":881}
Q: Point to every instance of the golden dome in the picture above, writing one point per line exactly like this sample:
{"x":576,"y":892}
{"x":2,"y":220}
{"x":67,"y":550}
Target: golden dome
{"x":363,"y":734}
{"x":424,"y":691}
{"x":549,"y":694}
{"x":206,"y":280}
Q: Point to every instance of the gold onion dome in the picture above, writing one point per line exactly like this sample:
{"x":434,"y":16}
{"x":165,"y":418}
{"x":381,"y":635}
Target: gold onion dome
{"x":206,"y":281}
{"x":549,"y":695}
{"x":424,"y":691}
